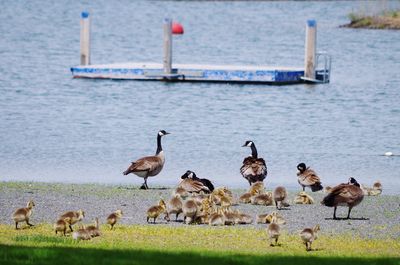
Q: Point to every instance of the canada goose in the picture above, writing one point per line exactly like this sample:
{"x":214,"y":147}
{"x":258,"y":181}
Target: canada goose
{"x":193,"y":186}
{"x":308,"y":178}
{"x":245,"y":198}
{"x":192,"y":175}
{"x":273,"y":231}
{"x":229,"y":217}
{"x":217,"y":218}
{"x":61,"y":225}
{"x":262,"y":199}
{"x":181,"y":192}
{"x":81,"y":234}
{"x":308,"y":235}
{"x":222,"y":196}
{"x":174,"y":206}
{"x":303,"y":198}
{"x":74,"y":217}
{"x":255,"y":188}
{"x":349,"y":195}
{"x":155,"y":211}
{"x":267,"y":218}
{"x":242,"y":218}
{"x":94,"y":230}
{"x":374,"y":191}
{"x":280,"y":196}
{"x":253,"y":169}
{"x":113,"y":218}
{"x":23,"y":214}
{"x":190,"y":211}
{"x":149,"y":166}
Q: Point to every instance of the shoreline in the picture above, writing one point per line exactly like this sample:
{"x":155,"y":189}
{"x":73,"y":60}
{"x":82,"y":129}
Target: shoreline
{"x":375,"y":218}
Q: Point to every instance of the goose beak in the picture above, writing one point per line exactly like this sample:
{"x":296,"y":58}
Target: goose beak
{"x":244,"y":145}
{"x":166,"y":133}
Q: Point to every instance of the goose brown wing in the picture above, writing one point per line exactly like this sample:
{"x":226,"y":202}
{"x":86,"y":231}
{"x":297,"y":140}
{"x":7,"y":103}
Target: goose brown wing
{"x":148,"y":163}
{"x":346,"y":193}
{"x":191,"y":185}
{"x":309,"y":177}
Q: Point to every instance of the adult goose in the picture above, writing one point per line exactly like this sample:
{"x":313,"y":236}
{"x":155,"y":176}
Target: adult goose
{"x":149,"y":166}
{"x":308,"y":178}
{"x":254,"y":168}
{"x":191,"y":185}
{"x":190,"y":174}
{"x":345,"y":194}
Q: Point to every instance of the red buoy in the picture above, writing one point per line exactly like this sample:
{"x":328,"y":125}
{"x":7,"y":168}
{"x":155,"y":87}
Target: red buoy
{"x":177,"y":28}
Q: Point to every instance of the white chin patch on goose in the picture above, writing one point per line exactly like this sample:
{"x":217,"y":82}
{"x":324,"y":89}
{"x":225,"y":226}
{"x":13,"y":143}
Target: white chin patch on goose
{"x":190,"y":175}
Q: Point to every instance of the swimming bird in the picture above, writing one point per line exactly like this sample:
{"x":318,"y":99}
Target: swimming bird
{"x":308,"y":178}
{"x":113,"y":218}
{"x":345,"y":194}
{"x":254,"y":168}
{"x":308,"y":235}
{"x":23,"y":214}
{"x":149,"y":166}
{"x":192,"y":175}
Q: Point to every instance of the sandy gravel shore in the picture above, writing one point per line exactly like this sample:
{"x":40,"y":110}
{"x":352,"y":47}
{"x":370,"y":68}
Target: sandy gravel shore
{"x":375,"y":217}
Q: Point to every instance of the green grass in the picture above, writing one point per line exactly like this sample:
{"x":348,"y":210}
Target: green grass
{"x":159,"y":244}
{"x":64,"y":255}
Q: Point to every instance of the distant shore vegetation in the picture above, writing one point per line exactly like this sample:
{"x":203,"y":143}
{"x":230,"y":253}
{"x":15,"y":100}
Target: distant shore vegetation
{"x":376,"y":15}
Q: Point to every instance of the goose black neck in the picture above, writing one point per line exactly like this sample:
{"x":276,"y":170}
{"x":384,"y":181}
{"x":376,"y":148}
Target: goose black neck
{"x":254,"y":151}
{"x":159,"y":147}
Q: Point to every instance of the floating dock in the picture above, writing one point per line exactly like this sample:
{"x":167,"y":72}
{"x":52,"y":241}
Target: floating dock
{"x":204,"y":73}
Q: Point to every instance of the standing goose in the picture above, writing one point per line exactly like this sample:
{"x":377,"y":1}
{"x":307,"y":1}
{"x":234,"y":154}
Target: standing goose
{"x":254,"y":168}
{"x":149,"y":166}
{"x":345,"y":194}
{"x":308,"y":178}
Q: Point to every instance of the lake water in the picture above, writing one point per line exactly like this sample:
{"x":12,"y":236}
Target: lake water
{"x":55,"y":128}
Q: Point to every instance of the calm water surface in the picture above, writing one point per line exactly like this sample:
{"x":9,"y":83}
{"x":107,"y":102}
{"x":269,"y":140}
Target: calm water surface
{"x":58,"y":129}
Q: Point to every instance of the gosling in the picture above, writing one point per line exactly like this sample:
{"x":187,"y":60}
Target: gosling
{"x":280,"y":196}
{"x":156,"y":210}
{"x":262,"y":199}
{"x":74,"y":217}
{"x":303,"y":198}
{"x":113,"y":218}
{"x":267,"y":218}
{"x":23,"y":214}
{"x":217,"y":218}
{"x":273,"y":231}
{"x":81,"y":234}
{"x":94,"y":230}
{"x":190,"y":210}
{"x":175,"y":206}
{"x":308,"y":235}
{"x":61,"y":225}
